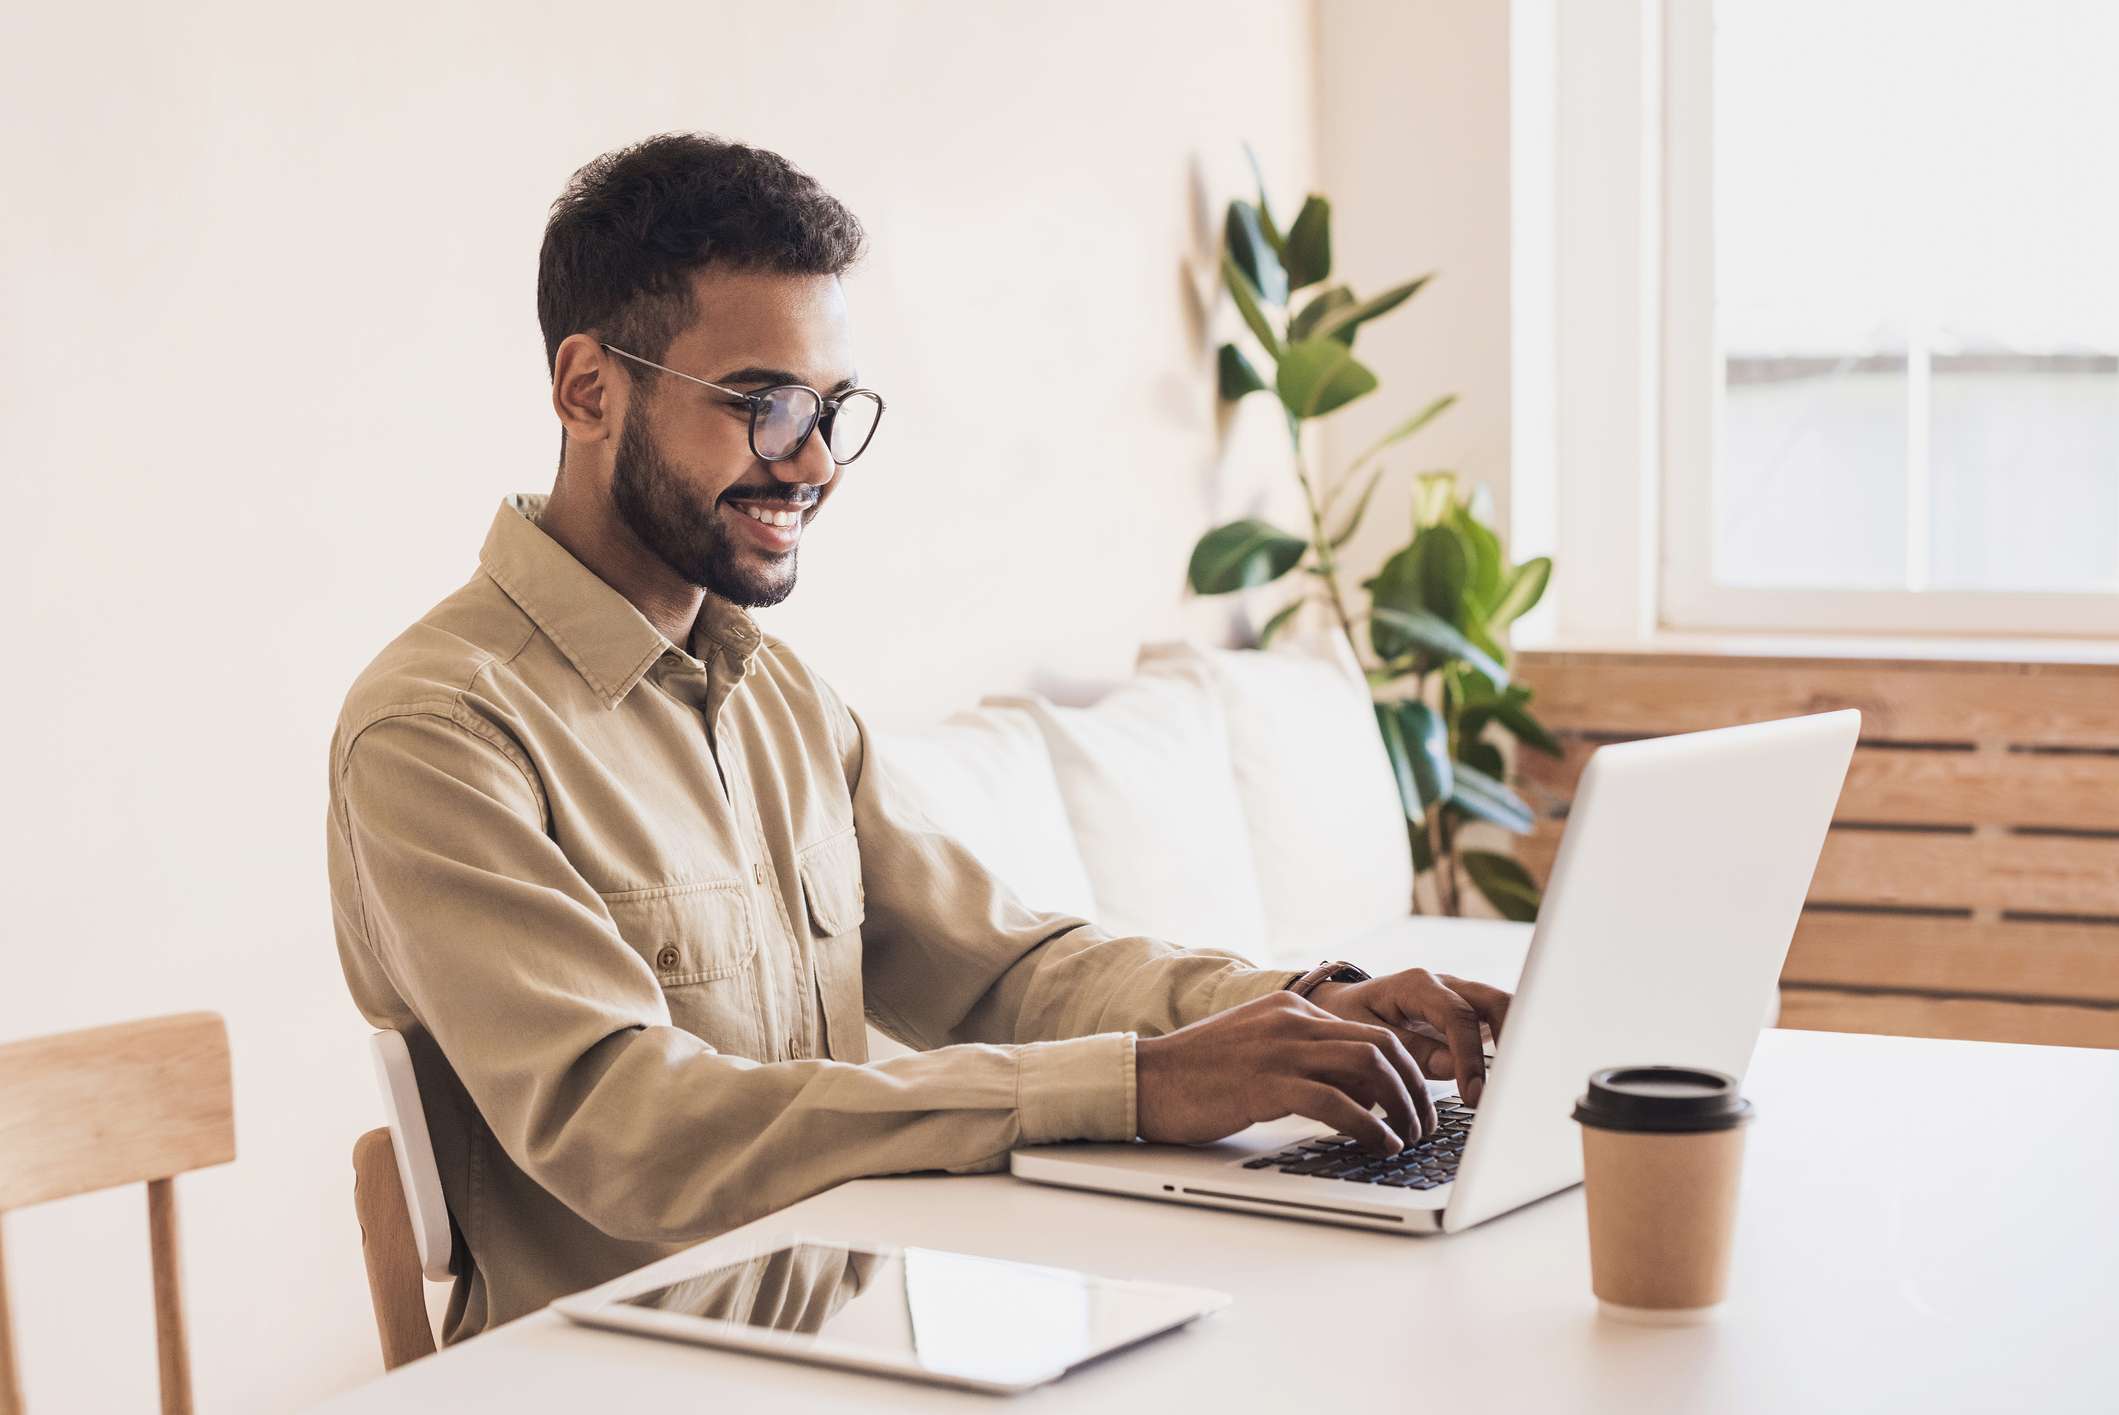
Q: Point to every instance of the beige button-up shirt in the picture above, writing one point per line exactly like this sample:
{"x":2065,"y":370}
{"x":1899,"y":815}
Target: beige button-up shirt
{"x":632,"y":904}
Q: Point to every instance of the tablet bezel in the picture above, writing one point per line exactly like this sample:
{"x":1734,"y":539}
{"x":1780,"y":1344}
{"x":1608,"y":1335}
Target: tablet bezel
{"x":606,"y":1307}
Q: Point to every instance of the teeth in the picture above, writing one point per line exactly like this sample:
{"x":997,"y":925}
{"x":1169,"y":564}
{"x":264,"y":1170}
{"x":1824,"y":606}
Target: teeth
{"x":772,"y":518}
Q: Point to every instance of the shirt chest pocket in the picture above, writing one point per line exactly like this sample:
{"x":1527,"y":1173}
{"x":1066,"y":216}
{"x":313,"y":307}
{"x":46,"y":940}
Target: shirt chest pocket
{"x":701,"y":942}
{"x":833,"y":900}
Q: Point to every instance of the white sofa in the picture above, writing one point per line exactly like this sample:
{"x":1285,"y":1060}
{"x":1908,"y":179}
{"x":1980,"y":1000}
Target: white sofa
{"x":1224,"y":798}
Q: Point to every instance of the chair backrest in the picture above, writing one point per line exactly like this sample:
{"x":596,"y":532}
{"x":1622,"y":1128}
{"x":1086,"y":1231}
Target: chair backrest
{"x":417,"y":1173}
{"x":394,"y":1285}
{"x":398,"y":1200}
{"x":137,"y":1102}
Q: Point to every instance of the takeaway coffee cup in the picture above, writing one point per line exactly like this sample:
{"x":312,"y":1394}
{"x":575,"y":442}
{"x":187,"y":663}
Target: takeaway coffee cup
{"x":1662,"y":1148}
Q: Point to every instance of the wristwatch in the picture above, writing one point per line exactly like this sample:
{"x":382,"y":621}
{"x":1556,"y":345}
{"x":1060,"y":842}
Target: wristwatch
{"x":1327,"y":973}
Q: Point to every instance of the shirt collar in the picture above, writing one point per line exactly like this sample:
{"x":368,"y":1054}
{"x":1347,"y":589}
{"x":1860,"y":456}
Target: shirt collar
{"x":610,"y":642}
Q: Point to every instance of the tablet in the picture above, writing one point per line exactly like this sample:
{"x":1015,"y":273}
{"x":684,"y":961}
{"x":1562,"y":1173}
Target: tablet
{"x":920,"y":1313}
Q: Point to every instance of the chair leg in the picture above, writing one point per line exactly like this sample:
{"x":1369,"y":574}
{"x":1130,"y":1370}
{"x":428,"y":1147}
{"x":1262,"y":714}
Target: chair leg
{"x":10,"y":1386}
{"x":169,"y":1297}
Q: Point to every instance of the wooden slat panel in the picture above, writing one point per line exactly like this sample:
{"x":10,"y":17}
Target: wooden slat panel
{"x":2043,"y":874}
{"x":1994,"y":959}
{"x":1648,"y":694}
{"x":1922,"y":788}
{"x":1971,"y":1019}
{"x":1920,"y":869}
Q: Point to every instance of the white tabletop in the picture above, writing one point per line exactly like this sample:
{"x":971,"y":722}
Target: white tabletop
{"x":1925,"y":1226}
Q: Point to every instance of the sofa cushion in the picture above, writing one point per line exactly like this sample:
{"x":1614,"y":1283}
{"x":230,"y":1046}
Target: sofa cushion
{"x":984,"y":777}
{"x":1146,"y":780}
{"x":1327,"y":832}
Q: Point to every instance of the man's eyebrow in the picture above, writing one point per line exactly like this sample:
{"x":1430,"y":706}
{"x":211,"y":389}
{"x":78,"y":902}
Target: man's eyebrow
{"x":765,"y":377}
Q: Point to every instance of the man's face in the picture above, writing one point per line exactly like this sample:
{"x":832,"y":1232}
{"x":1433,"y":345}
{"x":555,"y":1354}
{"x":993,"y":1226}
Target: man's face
{"x":683,"y":477}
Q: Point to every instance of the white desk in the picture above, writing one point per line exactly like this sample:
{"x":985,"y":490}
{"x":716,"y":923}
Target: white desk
{"x":1925,"y":1226}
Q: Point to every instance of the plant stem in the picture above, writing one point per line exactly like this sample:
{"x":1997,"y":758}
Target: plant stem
{"x":1321,"y":545}
{"x":1448,"y":860}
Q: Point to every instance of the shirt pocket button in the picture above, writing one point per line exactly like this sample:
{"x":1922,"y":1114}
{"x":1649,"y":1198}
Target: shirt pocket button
{"x":666,"y":960}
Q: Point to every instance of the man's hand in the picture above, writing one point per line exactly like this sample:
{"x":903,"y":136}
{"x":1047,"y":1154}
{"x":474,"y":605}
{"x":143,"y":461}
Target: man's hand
{"x":1276,"y":1056}
{"x":1439,"y":1018}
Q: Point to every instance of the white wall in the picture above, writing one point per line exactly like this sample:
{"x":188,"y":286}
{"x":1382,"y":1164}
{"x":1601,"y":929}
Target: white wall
{"x":271,"y":360}
{"x":1413,"y":150}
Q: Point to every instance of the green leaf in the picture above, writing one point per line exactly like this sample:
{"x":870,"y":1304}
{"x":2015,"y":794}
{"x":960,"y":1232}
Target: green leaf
{"x":1360,"y":313}
{"x":1245,"y":294}
{"x":1241,"y":555}
{"x":1429,"y":574}
{"x":1505,"y":883}
{"x":1426,"y":739}
{"x":1523,"y":588}
{"x":1480,"y":756}
{"x":1434,"y":494}
{"x":1407,"y":428}
{"x":1478,"y":794}
{"x":1417,"y":742}
{"x":1278,"y":622}
{"x":1245,"y":241}
{"x":1394,"y":747}
{"x":1319,"y":375}
{"x":1309,"y":249}
{"x":1318,"y":307}
{"x":1361,"y":506}
{"x":1398,"y":631}
{"x":1237,"y":376}
{"x":1483,"y":585}
{"x":1441,"y":568}
{"x":1423,"y":848}
{"x":1529,"y":731}
{"x":1265,"y":212}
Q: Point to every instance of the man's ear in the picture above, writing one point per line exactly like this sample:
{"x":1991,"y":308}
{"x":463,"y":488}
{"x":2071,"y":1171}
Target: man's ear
{"x":588,"y":390}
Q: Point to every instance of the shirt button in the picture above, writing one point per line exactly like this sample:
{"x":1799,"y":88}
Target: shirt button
{"x":758,"y":872}
{"x":666,"y":960}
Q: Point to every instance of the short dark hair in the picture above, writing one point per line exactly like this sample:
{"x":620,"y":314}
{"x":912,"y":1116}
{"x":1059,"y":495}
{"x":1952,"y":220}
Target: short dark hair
{"x":631,"y":226}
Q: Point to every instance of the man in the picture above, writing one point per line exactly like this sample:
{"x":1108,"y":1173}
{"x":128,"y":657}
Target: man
{"x":628,"y":876}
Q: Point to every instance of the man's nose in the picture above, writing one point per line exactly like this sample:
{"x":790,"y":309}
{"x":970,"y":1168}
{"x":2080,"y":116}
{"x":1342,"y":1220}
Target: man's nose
{"x":812,"y":465}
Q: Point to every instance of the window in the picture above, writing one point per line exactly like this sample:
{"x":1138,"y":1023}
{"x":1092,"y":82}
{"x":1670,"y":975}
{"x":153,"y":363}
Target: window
{"x":1891,"y":316}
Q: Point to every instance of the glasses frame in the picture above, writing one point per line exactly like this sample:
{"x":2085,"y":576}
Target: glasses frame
{"x":826,"y":407}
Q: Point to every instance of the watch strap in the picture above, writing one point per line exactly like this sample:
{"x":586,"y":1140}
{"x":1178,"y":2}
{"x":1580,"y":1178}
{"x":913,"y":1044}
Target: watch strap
{"x":1327,"y":972}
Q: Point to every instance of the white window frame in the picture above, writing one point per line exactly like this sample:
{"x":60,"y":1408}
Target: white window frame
{"x":1691,"y":392}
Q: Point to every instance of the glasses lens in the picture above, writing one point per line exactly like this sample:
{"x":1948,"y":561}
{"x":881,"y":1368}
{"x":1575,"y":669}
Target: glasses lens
{"x":853,"y":424}
{"x":783,"y":421}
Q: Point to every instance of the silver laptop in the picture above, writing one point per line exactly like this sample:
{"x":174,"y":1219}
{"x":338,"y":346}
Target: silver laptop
{"x":1668,"y":914}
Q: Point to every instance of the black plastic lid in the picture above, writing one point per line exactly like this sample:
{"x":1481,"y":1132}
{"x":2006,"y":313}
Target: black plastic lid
{"x":1666,"y":1099}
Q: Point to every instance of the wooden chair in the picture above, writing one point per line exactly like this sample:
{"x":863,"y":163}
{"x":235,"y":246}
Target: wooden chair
{"x":81,"y":1111}
{"x":397,"y":1198}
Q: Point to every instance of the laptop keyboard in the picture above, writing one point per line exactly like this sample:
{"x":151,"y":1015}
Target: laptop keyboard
{"x":1428,"y":1165}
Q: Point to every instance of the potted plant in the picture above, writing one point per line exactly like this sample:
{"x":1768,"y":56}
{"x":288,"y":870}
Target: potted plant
{"x":1431,"y":633}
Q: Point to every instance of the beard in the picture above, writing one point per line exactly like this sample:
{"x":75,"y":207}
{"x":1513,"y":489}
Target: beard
{"x":685,"y":533}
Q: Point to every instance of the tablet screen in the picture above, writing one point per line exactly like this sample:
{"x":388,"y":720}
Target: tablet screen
{"x":949,"y":1313}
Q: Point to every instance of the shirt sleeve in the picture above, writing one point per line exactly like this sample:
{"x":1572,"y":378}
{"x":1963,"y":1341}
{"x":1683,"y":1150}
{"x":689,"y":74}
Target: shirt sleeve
{"x":950,"y":954}
{"x":561,"y":1035}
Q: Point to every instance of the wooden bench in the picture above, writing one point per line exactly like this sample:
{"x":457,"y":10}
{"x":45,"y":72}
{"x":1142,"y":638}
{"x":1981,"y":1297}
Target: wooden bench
{"x":1970,"y":884}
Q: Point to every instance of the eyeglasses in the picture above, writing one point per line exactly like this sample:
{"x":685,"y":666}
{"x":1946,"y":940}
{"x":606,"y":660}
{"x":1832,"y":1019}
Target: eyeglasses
{"x":783,"y":417}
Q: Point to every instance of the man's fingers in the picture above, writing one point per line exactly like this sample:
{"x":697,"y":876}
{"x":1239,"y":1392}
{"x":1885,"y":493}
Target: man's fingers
{"x":1490,"y":1002}
{"x":1328,"y":1105}
{"x":1460,"y":1022}
{"x":1359,"y":1069}
{"x":1401,"y":1059}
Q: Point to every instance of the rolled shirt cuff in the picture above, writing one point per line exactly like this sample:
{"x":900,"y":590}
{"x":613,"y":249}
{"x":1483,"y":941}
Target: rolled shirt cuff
{"x":1078,"y":1089}
{"x":1241,"y":985}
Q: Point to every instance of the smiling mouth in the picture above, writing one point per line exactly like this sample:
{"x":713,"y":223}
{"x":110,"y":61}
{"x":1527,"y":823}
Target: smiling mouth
{"x":768,"y":515}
